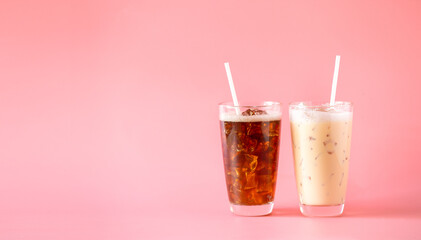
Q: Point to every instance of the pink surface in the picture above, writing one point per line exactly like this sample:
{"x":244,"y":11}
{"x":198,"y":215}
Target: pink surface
{"x":109,"y":121}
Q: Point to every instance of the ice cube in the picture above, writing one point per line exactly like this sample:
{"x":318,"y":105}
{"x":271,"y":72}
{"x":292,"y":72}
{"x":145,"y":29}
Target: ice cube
{"x":251,"y":181}
{"x":252,"y":112}
{"x":250,"y":162}
{"x":264,"y":183}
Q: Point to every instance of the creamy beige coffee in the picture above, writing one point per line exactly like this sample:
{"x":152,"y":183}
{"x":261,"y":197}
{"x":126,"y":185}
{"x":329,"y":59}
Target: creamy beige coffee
{"x":321,"y":141}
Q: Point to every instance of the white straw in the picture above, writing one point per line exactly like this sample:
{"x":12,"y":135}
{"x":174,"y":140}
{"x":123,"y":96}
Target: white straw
{"x":335,"y":80}
{"x":231,"y":83}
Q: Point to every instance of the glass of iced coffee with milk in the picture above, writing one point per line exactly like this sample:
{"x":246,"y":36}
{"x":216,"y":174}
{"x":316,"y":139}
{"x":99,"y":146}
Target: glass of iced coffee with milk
{"x":321,"y":141}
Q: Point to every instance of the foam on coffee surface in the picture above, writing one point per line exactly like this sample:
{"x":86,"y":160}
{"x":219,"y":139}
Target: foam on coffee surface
{"x":306,"y":115}
{"x":232,"y":117}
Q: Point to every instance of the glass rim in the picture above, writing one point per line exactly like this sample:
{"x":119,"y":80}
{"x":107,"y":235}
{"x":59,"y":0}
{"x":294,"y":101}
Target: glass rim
{"x":260,"y":105}
{"x":319,"y":104}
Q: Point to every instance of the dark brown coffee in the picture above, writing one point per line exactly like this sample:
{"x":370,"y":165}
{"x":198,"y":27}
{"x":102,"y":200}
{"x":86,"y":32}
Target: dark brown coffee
{"x":250,"y":149}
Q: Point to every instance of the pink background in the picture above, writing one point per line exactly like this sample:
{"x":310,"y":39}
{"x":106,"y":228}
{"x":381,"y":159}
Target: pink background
{"x":109,"y":120}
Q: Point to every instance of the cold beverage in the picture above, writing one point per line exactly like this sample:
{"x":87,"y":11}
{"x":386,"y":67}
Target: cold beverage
{"x":321,"y":142}
{"x":250,"y":145}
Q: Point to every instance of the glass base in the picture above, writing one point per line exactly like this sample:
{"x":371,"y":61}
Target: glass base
{"x":321,"y":211}
{"x":251,"y":210}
